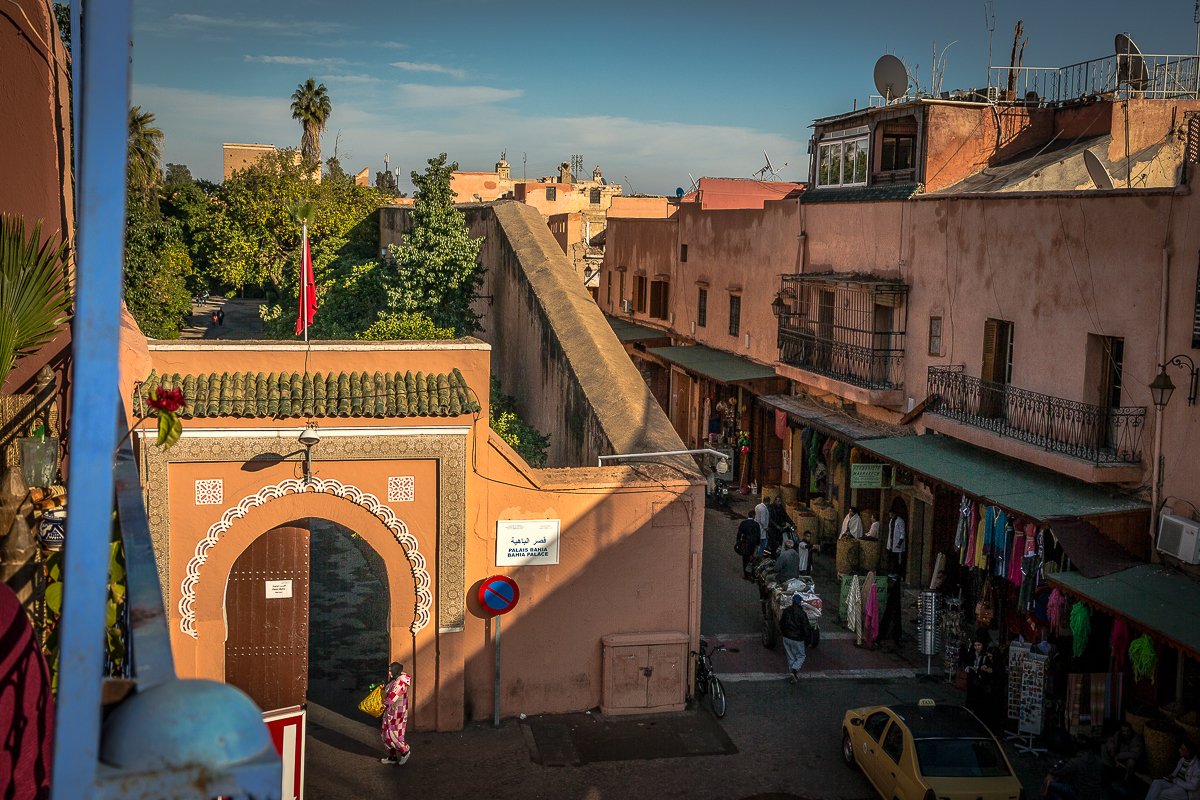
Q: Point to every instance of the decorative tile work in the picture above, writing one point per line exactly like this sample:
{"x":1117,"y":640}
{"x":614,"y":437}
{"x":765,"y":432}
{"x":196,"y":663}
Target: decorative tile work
{"x":210,"y":492}
{"x":402,"y":489}
{"x":449,"y":449}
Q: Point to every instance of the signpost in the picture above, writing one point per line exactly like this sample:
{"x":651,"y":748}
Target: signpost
{"x":286,"y":726}
{"x":527,"y":542}
{"x":498,"y":594}
{"x":866,"y":476}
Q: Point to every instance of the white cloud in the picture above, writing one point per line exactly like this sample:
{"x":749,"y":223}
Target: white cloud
{"x":420,"y":66}
{"x":350,"y":78}
{"x":269,"y":26}
{"x":300,"y":61}
{"x":392,"y":45}
{"x":657,"y":155}
{"x":423,"y":95}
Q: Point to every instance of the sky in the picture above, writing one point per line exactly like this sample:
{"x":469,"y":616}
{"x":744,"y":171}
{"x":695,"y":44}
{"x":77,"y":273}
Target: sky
{"x":652,"y":92}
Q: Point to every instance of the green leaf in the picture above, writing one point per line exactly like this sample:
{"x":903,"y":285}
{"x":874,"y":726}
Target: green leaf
{"x":110,"y":613}
{"x":54,"y":593}
{"x":35,"y":293}
{"x":169,"y":429}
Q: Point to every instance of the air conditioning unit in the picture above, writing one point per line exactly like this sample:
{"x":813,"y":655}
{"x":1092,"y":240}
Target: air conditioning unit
{"x":1179,"y":537}
{"x":626,"y":306}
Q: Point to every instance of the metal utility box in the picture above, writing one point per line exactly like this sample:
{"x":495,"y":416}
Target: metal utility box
{"x":644,"y":672}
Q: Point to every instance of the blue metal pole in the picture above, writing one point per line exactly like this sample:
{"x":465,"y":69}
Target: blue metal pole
{"x":104,"y":87}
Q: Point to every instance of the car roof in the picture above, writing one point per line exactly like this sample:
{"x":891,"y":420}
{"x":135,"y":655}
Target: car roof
{"x":940,"y":722}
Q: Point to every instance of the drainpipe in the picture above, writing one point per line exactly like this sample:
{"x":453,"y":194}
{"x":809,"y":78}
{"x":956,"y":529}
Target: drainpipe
{"x":1161,"y":357}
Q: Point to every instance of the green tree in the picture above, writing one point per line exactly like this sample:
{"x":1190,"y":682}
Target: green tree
{"x":62,"y":15}
{"x":145,"y":155}
{"x":437,"y":271}
{"x":529,"y":443}
{"x":157,"y":266}
{"x":399,"y":327}
{"x":311,"y":107}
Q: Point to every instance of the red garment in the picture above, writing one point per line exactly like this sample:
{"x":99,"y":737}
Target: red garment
{"x":1014,"y":562}
{"x":1054,"y":610}
{"x":26,"y":706}
{"x":871,"y":615}
{"x":1119,"y":644}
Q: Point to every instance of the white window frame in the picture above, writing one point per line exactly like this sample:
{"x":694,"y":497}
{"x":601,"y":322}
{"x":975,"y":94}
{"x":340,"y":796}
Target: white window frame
{"x":864,"y":144}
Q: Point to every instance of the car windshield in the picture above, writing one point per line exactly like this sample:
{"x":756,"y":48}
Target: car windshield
{"x":961,"y":758}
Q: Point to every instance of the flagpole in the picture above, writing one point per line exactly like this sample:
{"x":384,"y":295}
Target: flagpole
{"x":304,"y":281}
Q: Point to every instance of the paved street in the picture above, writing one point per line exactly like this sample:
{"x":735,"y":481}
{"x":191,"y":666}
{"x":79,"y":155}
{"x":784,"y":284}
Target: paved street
{"x":786,"y":737}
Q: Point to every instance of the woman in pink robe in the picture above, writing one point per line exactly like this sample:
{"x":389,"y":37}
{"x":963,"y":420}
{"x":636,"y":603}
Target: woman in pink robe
{"x":395,"y":715}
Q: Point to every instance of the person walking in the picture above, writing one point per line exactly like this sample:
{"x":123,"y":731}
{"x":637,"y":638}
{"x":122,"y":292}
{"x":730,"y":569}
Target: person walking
{"x":221,"y":316}
{"x":779,"y":521}
{"x":395,"y":715}
{"x":787,"y":566}
{"x":852,"y":524}
{"x":896,"y":543}
{"x":1183,"y":783}
{"x":804,"y":550}
{"x":762,"y":515}
{"x":979,"y":667}
{"x":748,"y":537}
{"x":796,"y":631}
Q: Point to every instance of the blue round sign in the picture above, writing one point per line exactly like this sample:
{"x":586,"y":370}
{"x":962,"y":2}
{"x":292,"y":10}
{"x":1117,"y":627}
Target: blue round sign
{"x":499,"y":594}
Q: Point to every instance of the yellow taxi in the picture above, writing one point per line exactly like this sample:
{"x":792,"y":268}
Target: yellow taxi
{"x":927,"y":751}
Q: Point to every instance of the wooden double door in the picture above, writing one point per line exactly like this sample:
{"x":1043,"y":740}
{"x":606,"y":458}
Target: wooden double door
{"x":267,"y":610}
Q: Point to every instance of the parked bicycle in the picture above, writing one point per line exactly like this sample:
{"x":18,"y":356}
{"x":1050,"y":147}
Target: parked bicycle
{"x":707,"y":682}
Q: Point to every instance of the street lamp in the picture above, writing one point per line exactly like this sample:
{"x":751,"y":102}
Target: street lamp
{"x":309,"y":438}
{"x":1161,"y":388}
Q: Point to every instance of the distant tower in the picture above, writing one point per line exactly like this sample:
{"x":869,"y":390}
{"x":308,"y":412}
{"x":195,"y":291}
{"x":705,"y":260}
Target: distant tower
{"x":564,"y":173}
{"x":502,"y":169}
{"x":597,"y":175}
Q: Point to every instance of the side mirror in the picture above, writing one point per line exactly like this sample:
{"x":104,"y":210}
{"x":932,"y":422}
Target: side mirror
{"x":856,"y":721}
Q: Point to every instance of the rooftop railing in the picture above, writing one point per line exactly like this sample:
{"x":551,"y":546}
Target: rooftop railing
{"x":1120,"y":76}
{"x":1098,"y":434}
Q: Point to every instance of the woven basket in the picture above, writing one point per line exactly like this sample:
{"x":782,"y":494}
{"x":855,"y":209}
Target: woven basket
{"x":790,"y":492}
{"x":1191,"y":731}
{"x":1138,"y":721}
{"x":1162,"y":746}
{"x":769,"y":493}
{"x":849,"y":556}
{"x":872,"y":551}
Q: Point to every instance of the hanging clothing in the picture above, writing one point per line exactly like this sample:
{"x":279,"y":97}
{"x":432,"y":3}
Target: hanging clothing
{"x":871,"y":614}
{"x":1031,"y":567}
{"x":961,"y":526}
{"x":1055,"y":609}
{"x":1119,"y":645}
{"x":1018,"y":554}
{"x":854,"y":605}
{"x":980,"y":560}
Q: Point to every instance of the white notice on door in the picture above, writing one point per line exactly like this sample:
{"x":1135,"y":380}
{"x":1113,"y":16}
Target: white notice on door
{"x":277,"y":590}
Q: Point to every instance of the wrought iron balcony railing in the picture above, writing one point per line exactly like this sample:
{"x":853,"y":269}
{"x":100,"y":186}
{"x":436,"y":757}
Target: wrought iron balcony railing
{"x":868,"y":367}
{"x":1099,"y":434}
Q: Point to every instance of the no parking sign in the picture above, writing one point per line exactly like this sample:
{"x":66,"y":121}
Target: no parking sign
{"x":499,"y":594}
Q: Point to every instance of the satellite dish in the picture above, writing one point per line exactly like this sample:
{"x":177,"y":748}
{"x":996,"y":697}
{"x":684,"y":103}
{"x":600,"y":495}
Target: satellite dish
{"x":891,"y":78}
{"x":1131,"y":67}
{"x":679,"y":191}
{"x":1096,"y":170}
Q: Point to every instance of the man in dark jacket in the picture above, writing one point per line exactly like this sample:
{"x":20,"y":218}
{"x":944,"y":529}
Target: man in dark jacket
{"x":748,"y":534}
{"x":795,"y":630}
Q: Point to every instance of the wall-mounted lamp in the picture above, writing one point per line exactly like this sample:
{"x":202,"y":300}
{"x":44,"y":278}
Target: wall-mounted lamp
{"x":1162,"y":387}
{"x":308,"y":438}
{"x":778,"y":306}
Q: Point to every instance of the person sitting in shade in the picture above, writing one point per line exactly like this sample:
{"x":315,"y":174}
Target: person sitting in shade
{"x":852,"y":525}
{"x":788,"y":564}
{"x":1184,"y":781}
{"x":1121,"y":754}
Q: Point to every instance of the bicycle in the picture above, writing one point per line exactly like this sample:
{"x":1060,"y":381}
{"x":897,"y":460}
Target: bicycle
{"x":707,"y":682}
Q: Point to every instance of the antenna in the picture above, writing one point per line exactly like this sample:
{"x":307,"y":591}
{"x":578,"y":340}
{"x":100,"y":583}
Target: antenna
{"x":577,"y":166}
{"x":386,"y":168}
{"x":769,"y":172}
{"x":629,"y":183}
{"x":989,"y":22}
{"x":1131,"y":67}
{"x":1100,"y":177}
{"x":524,"y":176}
{"x":891,"y":77}
{"x":695,"y":183}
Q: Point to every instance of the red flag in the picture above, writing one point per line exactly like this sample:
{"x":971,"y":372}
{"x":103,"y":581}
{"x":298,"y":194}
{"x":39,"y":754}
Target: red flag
{"x":308,"y":292}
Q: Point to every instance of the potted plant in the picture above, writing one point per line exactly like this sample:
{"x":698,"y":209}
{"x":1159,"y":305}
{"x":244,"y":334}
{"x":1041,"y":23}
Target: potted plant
{"x":39,"y":457}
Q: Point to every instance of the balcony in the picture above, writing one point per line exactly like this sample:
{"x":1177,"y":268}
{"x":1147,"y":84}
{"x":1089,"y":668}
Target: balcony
{"x":846,"y":327}
{"x":1095,"y":434}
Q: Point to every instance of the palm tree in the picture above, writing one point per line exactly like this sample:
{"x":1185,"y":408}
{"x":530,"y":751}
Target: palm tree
{"x":35,"y":291}
{"x":311,"y":106}
{"x":145,"y":153}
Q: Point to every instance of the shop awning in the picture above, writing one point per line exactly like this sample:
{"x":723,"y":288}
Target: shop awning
{"x":1015,"y":485}
{"x":826,"y":420}
{"x":629,"y":332}
{"x":1151,"y":597}
{"x":715,"y":364}
{"x":1089,"y":550}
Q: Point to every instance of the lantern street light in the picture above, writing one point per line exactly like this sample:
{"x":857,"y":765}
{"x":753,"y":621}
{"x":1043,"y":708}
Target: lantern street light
{"x":1161,"y":388}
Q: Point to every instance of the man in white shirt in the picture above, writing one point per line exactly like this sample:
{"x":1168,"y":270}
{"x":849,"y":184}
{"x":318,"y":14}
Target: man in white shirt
{"x":852,"y":524}
{"x":897,"y":542}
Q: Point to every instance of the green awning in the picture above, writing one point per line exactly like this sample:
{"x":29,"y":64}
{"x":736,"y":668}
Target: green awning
{"x":1153,"y":598}
{"x":1015,"y":485}
{"x":715,"y":364}
{"x":629,"y":332}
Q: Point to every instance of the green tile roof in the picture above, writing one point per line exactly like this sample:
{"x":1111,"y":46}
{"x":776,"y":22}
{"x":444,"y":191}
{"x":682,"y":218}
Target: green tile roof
{"x":851,"y":194}
{"x":632,"y":332}
{"x":1015,"y":485}
{"x":1152,"y":597}
{"x":331,"y":394}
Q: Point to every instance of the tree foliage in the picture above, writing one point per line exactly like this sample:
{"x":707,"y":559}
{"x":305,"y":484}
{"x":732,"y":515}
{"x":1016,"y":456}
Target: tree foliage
{"x":145,"y":155}
{"x":157,"y":265}
{"x":437,"y":269}
{"x":529,"y":443}
{"x":311,"y":107}
{"x":399,"y":327}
